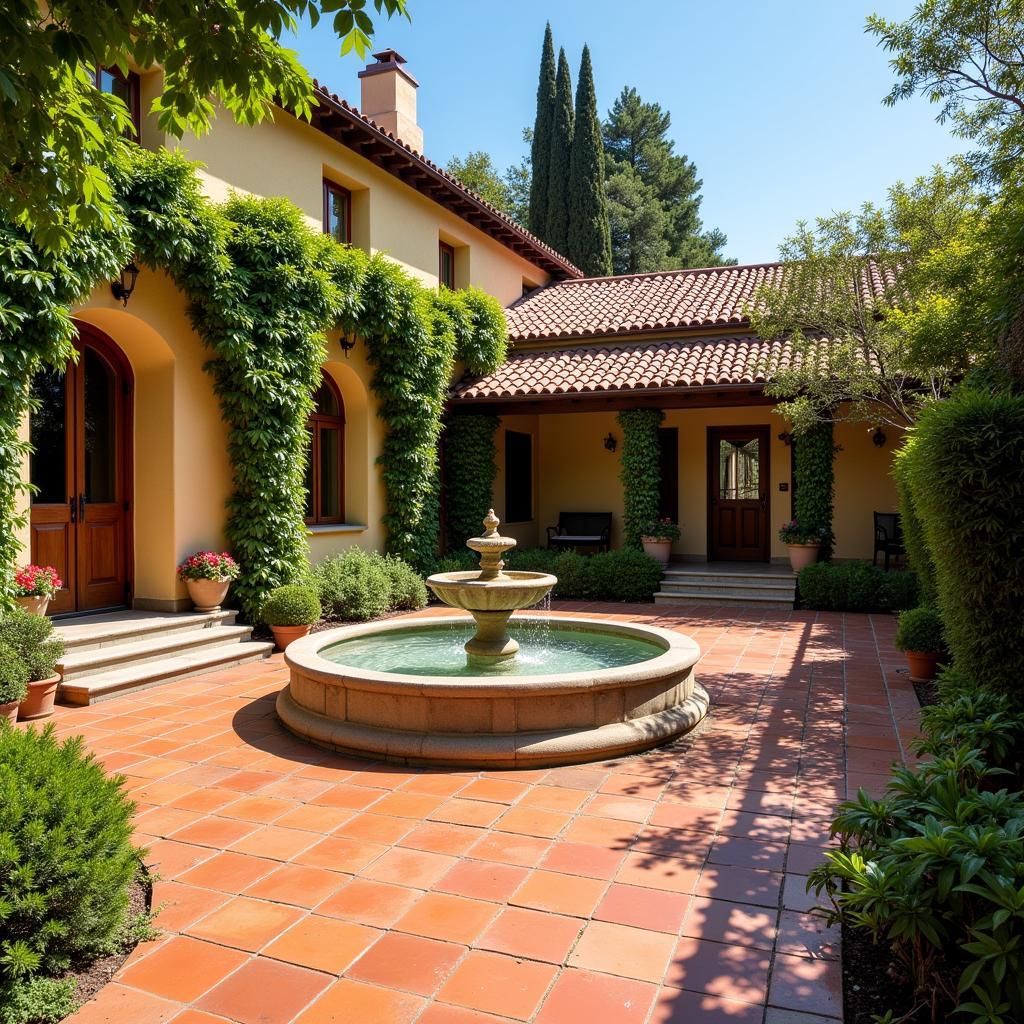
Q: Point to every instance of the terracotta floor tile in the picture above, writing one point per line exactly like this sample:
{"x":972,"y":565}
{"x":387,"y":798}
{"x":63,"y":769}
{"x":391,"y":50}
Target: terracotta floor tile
{"x":555,"y":798}
{"x":445,"y":1013}
{"x":356,"y":798}
{"x":457,"y":811}
{"x":810,"y":986}
{"x":807,"y":935}
{"x":248,"y":781}
{"x":582,"y":997}
{"x":408,"y":962}
{"x":655,"y":872}
{"x":610,"y":832}
{"x":264,"y":992}
{"x":261,"y":809}
{"x":748,"y":853}
{"x":378,"y":828}
{"x":314,"y":818}
{"x":117,"y":1004}
{"x":353,"y":1002}
{"x":561,"y":894}
{"x":675,"y":1007}
{"x":170,"y":859}
{"x":228,"y":872}
{"x":274,"y":842}
{"x":654,"y":909}
{"x":180,"y":904}
{"x":741,"y":885}
{"x":498,"y":984}
{"x":322,"y":943}
{"x":299,"y":884}
{"x":367,"y":902}
{"x":735,"y":923}
{"x":245,"y":923}
{"x":506,"y":848}
{"x":183,"y":968}
{"x":441,"y":837}
{"x":416,"y":868}
{"x":619,"y":949}
{"x":340,"y":854}
{"x":622,"y":807}
{"x":407,"y":805}
{"x":583,"y":859}
{"x":730,"y":972}
{"x":214,"y":831}
{"x":533,"y":821}
{"x":452,"y":918}
{"x":440,"y":784}
{"x":494,"y":789}
{"x":795,"y":895}
{"x":534,"y":934}
{"x":482,"y":880}
{"x":197,"y":1017}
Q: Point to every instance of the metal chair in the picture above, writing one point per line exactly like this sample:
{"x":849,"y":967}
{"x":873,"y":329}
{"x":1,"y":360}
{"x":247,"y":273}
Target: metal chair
{"x":888,"y":537}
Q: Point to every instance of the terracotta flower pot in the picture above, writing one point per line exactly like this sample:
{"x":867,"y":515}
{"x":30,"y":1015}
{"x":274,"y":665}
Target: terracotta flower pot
{"x":9,"y":712}
{"x":659,"y":550}
{"x":35,"y":605}
{"x":803,"y":555}
{"x":39,"y":701}
{"x":922,"y":665}
{"x":208,"y":595}
{"x":284,"y":635}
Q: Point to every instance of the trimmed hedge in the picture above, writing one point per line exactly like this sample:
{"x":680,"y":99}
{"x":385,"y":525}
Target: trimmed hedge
{"x":624,"y":575}
{"x":856,"y":587}
{"x":359,"y":585}
{"x":470,"y":466}
{"x":918,"y":555}
{"x":291,"y":605}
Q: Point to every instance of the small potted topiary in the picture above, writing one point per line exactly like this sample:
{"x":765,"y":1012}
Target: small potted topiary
{"x":13,"y":683}
{"x":208,"y":574}
{"x":34,"y":587}
{"x":658,"y":538}
{"x":921,"y":638}
{"x":31,"y":638}
{"x":290,"y":611}
{"x":802,"y":543}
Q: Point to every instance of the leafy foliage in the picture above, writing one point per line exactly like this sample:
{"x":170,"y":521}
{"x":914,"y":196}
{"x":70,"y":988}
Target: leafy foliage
{"x":641,"y":471}
{"x":476,"y":170}
{"x":32,"y":640}
{"x":37,"y":1001}
{"x":358,"y":585}
{"x":66,"y":857}
{"x":814,"y":453}
{"x":407,"y":589}
{"x":13,"y":676}
{"x":920,"y":629}
{"x":291,"y":605}
{"x":469,"y":471}
{"x":625,"y":575}
{"x":556,"y":232}
{"x":856,"y":587}
{"x":914,"y":542}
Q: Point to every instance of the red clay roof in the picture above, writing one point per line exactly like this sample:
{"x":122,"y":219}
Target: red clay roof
{"x":662,"y":366}
{"x":342,"y":121}
{"x":595,"y":307}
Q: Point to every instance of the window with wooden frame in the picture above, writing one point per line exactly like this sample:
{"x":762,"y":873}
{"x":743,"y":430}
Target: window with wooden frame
{"x":337,"y":212}
{"x":325,"y":469}
{"x":127,"y":89}
{"x":446,"y":264}
{"x":518,"y":477}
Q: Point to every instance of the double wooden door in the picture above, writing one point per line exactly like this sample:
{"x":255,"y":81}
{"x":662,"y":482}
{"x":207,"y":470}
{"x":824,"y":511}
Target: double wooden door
{"x":738,"y":493}
{"x":80,"y":469}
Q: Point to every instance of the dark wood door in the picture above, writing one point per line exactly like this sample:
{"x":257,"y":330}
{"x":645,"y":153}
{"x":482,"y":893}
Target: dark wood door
{"x":80,"y":466}
{"x":738,"y":493}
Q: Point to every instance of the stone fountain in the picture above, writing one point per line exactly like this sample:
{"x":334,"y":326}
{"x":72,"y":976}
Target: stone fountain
{"x":491,"y":595}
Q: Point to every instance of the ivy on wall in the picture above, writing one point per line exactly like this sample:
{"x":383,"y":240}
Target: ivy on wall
{"x":470,"y":466}
{"x":641,"y":471}
{"x":262,"y":288}
{"x":814,"y":472}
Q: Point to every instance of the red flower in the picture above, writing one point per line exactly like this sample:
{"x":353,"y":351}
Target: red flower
{"x":37,"y":581}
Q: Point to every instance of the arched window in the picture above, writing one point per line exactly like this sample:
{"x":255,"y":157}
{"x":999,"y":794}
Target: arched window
{"x":325,"y":470}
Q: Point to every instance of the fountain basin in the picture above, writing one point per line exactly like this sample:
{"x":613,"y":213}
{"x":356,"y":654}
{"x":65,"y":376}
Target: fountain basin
{"x":503,"y":719}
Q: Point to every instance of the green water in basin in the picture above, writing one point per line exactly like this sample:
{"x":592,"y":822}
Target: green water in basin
{"x":438,"y":651}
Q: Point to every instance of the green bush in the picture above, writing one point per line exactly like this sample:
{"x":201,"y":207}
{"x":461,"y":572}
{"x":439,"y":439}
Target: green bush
{"x":624,"y":575}
{"x":918,"y":556}
{"x":457,"y":561}
{"x":66,"y":857}
{"x":902,"y":590}
{"x":640,"y":471}
{"x":31,"y":638}
{"x":13,"y":677}
{"x":407,"y":591}
{"x":966,"y":474}
{"x":470,"y":465}
{"x":291,"y":605}
{"x":569,"y":566}
{"x":359,"y":585}
{"x":920,"y":629}
{"x":814,"y":453}
{"x":855,"y":587}
{"x":37,"y":1001}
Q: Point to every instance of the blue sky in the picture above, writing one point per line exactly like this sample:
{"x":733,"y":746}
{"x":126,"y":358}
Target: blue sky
{"x":779,"y":105}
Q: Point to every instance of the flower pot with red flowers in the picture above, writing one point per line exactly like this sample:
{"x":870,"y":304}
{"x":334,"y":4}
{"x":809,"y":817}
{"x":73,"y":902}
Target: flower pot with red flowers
{"x":290,"y":612}
{"x":13,"y":684}
{"x":920,"y":636}
{"x":34,"y":587}
{"x":208,"y":574}
{"x":802,"y":543}
{"x":31,"y":639}
{"x":658,"y":538}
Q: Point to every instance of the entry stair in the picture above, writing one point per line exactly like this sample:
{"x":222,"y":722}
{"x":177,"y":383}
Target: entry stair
{"x":763,"y":586}
{"x":111,"y":653}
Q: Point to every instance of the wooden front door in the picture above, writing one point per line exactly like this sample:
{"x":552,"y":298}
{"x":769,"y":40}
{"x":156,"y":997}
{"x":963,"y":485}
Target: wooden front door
{"x":738,"y":493}
{"x":80,"y":467}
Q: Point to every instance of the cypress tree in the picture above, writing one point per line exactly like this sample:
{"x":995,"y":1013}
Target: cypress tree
{"x":557,"y":233}
{"x":540,"y":149}
{"x":590,"y":244}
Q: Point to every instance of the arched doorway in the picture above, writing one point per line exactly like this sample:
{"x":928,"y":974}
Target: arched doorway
{"x":81,"y":463}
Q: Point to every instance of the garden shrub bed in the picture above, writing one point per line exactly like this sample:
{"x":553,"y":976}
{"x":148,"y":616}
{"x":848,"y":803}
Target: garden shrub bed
{"x":856,"y":587}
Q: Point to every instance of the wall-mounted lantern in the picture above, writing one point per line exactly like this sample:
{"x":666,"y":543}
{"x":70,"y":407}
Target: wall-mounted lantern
{"x":610,"y":443}
{"x":786,"y":438}
{"x":347,"y":342}
{"x":878,"y":438}
{"x":123,"y":289}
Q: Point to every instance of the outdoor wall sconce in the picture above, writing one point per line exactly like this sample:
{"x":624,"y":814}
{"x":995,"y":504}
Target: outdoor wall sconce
{"x":123,"y":289}
{"x":347,"y":343}
{"x":610,"y":443}
{"x":878,"y":438}
{"x":786,"y":438}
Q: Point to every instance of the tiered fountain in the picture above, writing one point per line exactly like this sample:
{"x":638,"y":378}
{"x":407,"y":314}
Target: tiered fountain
{"x":489,"y":692}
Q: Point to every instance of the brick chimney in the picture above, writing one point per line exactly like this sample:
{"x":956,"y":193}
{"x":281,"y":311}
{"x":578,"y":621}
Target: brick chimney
{"x":389,"y":97}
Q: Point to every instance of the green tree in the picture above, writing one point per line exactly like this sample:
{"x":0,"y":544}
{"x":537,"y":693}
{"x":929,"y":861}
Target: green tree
{"x":590,"y":246}
{"x":540,"y":147}
{"x":637,"y":145}
{"x":519,"y":182}
{"x":477,"y":171}
{"x":58,"y":132}
{"x":557,"y":232}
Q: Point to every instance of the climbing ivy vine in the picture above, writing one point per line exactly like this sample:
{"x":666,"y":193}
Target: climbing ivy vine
{"x":470,"y":465}
{"x":641,"y":471}
{"x":814,"y":472}
{"x":263,"y":287}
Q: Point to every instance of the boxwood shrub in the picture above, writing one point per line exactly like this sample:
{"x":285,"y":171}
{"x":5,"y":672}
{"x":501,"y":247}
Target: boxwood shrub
{"x":31,"y":638}
{"x":13,"y":676}
{"x":291,"y":605}
{"x":856,"y":587}
{"x":920,"y":629}
{"x":624,"y":575}
{"x":358,"y":585}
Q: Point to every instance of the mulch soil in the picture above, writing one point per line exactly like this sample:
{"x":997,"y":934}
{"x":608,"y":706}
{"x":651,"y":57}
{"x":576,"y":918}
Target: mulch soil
{"x":873,"y":983}
{"x":927,"y":693}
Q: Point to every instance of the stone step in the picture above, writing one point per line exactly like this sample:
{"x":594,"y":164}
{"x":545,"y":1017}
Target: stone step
{"x":92,"y":688}
{"x":720,"y":597}
{"x":749,"y":588}
{"x":81,"y":663}
{"x":87,"y":632}
{"x":706,"y":574}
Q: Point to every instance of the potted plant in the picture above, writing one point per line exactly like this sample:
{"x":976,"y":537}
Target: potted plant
{"x":658,"y":538}
{"x":34,"y":586}
{"x":802,"y":543}
{"x":208,"y":576}
{"x":13,"y":684}
{"x":920,"y":637}
{"x":31,"y":638}
{"x":289,"y":611}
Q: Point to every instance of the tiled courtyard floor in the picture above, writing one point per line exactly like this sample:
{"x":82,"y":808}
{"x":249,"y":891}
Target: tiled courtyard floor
{"x":298,"y":885}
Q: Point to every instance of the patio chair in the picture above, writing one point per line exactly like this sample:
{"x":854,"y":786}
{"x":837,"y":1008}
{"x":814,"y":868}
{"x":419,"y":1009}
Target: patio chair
{"x":888,"y":537}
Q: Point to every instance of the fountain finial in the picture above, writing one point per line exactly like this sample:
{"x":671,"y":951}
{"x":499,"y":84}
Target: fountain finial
{"x":491,"y":523}
{"x":491,"y":546}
